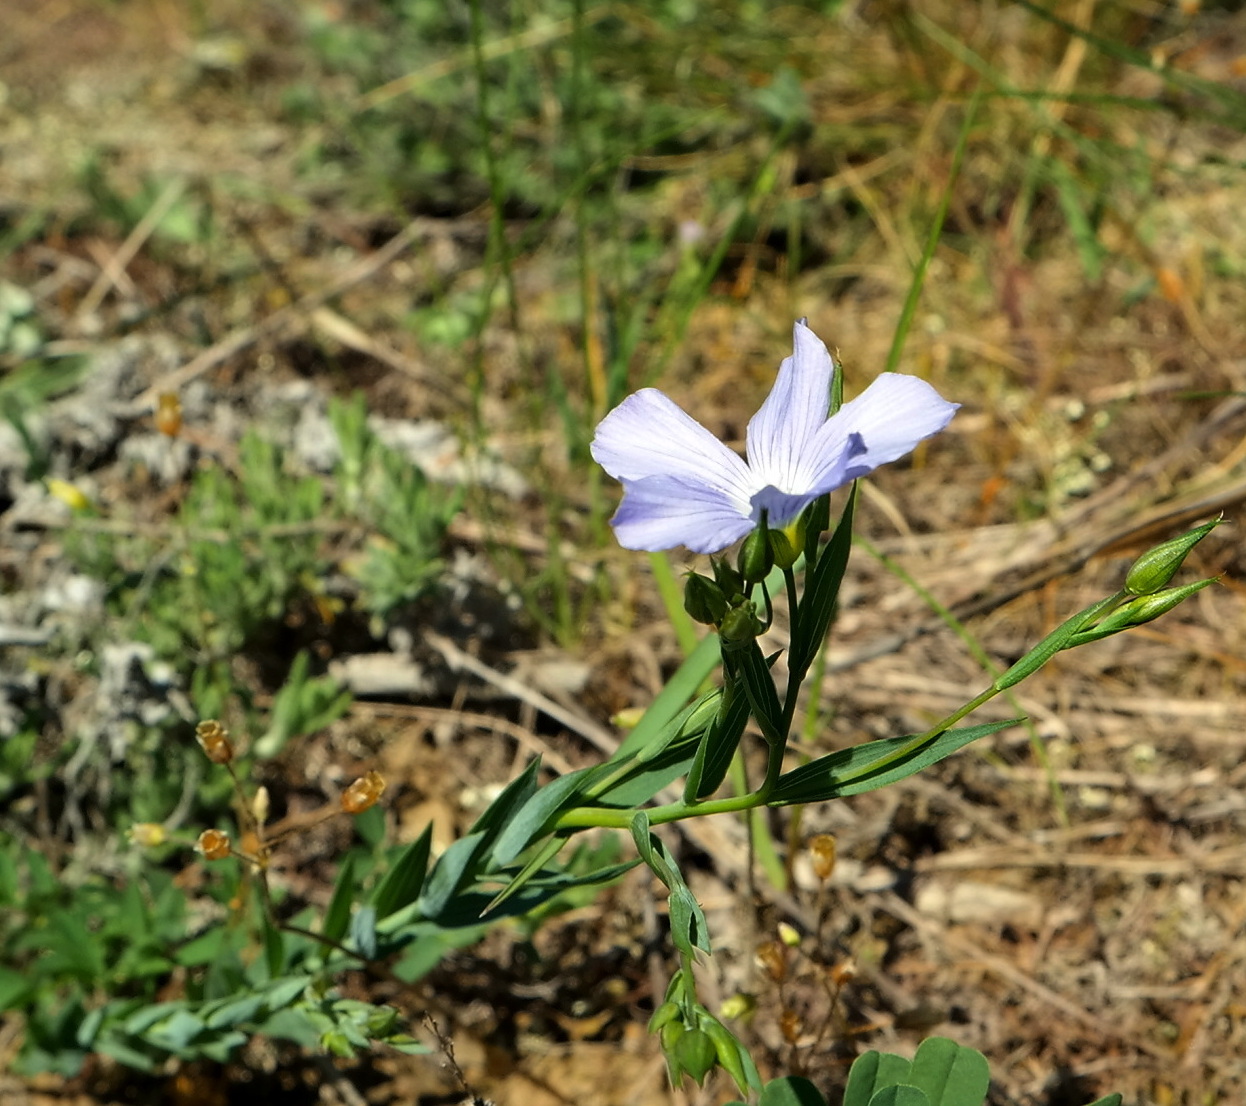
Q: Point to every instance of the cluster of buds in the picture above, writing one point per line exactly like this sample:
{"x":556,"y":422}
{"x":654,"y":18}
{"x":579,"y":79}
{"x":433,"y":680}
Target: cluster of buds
{"x":214,"y":740}
{"x":722,"y":602}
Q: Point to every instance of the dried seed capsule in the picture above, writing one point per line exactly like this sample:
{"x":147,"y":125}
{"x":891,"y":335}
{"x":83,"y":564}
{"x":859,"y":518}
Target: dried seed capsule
{"x":822,"y":853}
{"x":363,"y":793}
{"x":168,"y":414}
{"x":213,"y":844}
{"x":772,"y":956}
{"x":214,"y":739}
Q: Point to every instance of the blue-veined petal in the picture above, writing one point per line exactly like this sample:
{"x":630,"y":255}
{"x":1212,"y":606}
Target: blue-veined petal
{"x":660,"y":512}
{"x":883,"y":423}
{"x":650,"y":435}
{"x":781,"y":435}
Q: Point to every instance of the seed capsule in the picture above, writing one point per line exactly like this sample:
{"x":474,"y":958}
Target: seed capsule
{"x":363,"y":793}
{"x":169,"y":415}
{"x":214,"y":739}
{"x":213,"y":844}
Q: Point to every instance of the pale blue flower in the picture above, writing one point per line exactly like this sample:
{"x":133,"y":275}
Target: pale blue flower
{"x":682,"y":486}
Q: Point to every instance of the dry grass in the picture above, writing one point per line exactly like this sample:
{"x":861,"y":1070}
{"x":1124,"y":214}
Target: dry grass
{"x":1104,"y":399}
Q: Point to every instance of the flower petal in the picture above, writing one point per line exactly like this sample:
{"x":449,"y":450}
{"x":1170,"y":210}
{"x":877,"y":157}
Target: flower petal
{"x":885,"y":422}
{"x":649,"y":435}
{"x":659,"y":512}
{"x":781,"y":434}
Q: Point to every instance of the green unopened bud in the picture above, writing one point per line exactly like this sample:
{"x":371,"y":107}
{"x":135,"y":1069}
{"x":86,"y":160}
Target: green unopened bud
{"x":756,"y":557}
{"x":731,"y":582}
{"x":663,"y":1016}
{"x":1157,"y":566}
{"x":696,"y":1054}
{"x":704,"y":599}
{"x":740,"y":623}
{"x":1143,"y":609}
{"x":382,"y":1021}
{"x":728,"y":1051}
{"x":786,"y":545}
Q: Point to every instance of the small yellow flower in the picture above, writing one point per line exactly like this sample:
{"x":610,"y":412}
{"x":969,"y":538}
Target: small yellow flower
{"x":147,"y":835}
{"x":70,"y":494}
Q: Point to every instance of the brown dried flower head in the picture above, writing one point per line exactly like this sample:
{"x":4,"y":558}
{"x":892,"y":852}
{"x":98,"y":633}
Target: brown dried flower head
{"x":822,"y":854}
{"x":214,"y":739}
{"x":363,"y":793}
{"x":168,"y":414}
{"x":772,"y":956}
{"x":213,"y":844}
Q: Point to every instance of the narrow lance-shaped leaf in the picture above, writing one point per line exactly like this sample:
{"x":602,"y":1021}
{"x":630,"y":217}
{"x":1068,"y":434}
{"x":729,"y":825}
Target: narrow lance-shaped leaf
{"x":873,"y":765}
{"x":817,"y":605}
{"x":405,"y":879}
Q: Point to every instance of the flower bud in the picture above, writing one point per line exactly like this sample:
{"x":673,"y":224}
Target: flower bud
{"x":1157,"y":566}
{"x":363,"y":793}
{"x":147,"y":835}
{"x":259,"y":805}
{"x":1142,"y":609}
{"x":695,"y":1053}
{"x":664,"y":1015}
{"x":214,"y":740}
{"x":730,"y":581}
{"x":739,"y":1005}
{"x":756,"y":557}
{"x":704,"y":600}
{"x":213,"y":845}
{"x":740,"y":623}
{"x":787,"y":544}
{"x":789,"y":935}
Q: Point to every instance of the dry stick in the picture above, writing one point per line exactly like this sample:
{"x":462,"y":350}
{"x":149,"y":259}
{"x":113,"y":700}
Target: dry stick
{"x":1061,"y":560}
{"x":896,"y":906}
{"x":472,"y":720}
{"x":114,"y":268}
{"x":598,"y":736}
{"x":361,"y":270}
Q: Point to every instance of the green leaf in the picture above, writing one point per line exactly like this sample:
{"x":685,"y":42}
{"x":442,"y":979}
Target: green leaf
{"x":337,"y":914}
{"x":900,"y":1095}
{"x":872,"y":765}
{"x":274,"y":949}
{"x":791,"y":1090}
{"x":363,"y":931}
{"x":537,"y":815}
{"x":681,"y":687}
{"x":1108,"y":1100}
{"x":949,"y":1074}
{"x":405,"y":879}
{"x":758,"y":685}
{"x":543,"y":856}
{"x":870,"y":1073}
{"x":817,"y":605}
{"x":717,"y":747}
{"x":688,"y":927}
{"x":282,"y":992}
{"x":450,"y":872}
{"x":514,"y":795}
